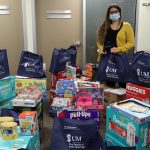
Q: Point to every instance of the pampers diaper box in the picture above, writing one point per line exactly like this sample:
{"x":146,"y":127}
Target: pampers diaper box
{"x":7,"y":88}
{"x":128,"y":124}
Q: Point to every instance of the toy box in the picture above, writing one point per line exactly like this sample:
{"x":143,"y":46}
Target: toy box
{"x":28,"y":123}
{"x":91,"y":71}
{"x":70,"y":71}
{"x":66,"y":88}
{"x":128,"y":122}
{"x":81,"y":115}
{"x":138,"y":92}
{"x":97,"y":94}
{"x":23,"y":83}
{"x":62,"y":102}
{"x":83,"y":84}
{"x":84,"y":99}
{"x":7,"y":88}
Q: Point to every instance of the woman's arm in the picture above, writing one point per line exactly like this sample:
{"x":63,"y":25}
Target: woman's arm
{"x":130,"y":41}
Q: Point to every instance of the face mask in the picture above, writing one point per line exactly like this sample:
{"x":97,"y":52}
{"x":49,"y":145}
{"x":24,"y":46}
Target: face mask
{"x":114,"y":16}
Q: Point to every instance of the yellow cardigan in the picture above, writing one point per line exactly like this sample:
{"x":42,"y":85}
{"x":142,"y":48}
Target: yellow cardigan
{"x":125,"y":40}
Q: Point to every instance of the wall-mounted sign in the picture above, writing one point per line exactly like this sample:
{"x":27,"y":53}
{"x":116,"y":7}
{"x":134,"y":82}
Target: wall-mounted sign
{"x":58,"y":14}
{"x":5,"y":10}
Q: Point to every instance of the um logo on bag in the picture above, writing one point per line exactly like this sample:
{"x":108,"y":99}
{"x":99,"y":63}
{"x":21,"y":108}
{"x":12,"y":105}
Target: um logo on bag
{"x":111,"y":70}
{"x":142,"y":74}
{"x":1,"y":69}
{"x":71,"y":138}
{"x":27,"y":64}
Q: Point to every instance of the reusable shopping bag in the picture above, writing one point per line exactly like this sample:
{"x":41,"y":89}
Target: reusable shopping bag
{"x":113,"y":67}
{"x":31,"y":65}
{"x":4,"y":67}
{"x":62,"y":56}
{"x":139,"y":72}
{"x":75,"y":135}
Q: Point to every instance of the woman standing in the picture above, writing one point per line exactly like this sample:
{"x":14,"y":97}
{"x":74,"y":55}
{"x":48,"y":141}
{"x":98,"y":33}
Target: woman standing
{"x":114,"y":36}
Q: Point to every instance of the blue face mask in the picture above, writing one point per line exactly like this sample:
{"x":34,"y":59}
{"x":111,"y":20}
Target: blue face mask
{"x":114,"y":16}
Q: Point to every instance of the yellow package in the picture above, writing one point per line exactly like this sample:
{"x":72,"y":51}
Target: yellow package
{"x":5,"y":119}
{"x":9,"y":130}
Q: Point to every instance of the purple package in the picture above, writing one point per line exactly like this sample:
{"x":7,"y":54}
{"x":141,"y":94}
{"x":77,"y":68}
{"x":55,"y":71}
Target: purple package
{"x":84,"y":115}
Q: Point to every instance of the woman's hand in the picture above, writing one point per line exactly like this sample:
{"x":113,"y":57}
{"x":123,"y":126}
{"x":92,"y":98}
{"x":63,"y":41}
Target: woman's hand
{"x":113,"y":50}
{"x":100,"y":52}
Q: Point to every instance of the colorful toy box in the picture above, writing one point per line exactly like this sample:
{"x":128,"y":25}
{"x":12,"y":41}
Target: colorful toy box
{"x":62,"y":102}
{"x":91,"y":70}
{"x":70,"y":71}
{"x":66,"y":88}
{"x":28,"y":123}
{"x":128,"y":122}
{"x":97,"y":94}
{"x":23,"y":83}
{"x":84,"y":99}
{"x":7,"y":88}
{"x":138,"y":92}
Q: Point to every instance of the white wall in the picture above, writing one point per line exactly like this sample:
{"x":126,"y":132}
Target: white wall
{"x":29,"y":25}
{"x":143,"y":26}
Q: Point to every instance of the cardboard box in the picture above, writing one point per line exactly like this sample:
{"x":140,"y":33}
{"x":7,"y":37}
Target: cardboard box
{"x":138,"y":92}
{"x":66,"y":88}
{"x":127,"y":126}
{"x":111,"y":141}
{"x":28,"y":122}
{"x":22,"y":83}
{"x":25,"y":103}
{"x":22,"y":142}
{"x":112,"y":95}
{"x":7,"y":88}
{"x":81,"y":115}
{"x":96,"y":94}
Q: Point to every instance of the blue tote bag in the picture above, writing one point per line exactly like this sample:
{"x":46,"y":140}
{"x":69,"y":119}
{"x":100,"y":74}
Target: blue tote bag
{"x":31,"y":65}
{"x":140,"y":69}
{"x":62,"y":56}
{"x":4,"y":67}
{"x":75,"y":135}
{"x":113,"y":67}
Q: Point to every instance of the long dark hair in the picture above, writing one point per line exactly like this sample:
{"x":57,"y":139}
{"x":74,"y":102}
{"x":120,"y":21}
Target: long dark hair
{"x":102,"y":31}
